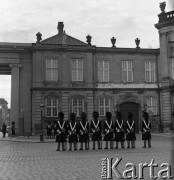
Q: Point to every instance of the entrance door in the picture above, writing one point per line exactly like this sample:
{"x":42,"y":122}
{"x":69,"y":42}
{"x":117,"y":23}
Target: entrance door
{"x":125,"y":108}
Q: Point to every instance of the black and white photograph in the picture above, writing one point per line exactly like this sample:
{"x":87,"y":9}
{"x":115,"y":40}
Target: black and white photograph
{"x":86,"y":89}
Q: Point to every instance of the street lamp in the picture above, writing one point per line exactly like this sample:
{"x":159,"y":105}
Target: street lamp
{"x":41,"y":134}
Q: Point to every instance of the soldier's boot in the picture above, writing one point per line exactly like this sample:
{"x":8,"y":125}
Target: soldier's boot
{"x":106,"y":146}
{"x":63,"y":146}
{"x":58,"y":146}
{"x":133,"y":144}
{"x":128,"y":144}
{"x":116,"y":145}
{"x":144,"y":144}
{"x":149,"y":143}
{"x":81,"y":146}
{"x":98,"y":143}
{"x":122,"y":145}
{"x":86,"y":146}
{"x":70,"y":146}
{"x":93,"y":145}
{"x":111,"y":144}
{"x":75,"y":146}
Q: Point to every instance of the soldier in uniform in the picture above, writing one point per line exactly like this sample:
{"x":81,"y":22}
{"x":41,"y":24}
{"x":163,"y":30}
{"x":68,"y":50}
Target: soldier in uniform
{"x":83,"y":131}
{"x":49,"y":130}
{"x":130,"y":131}
{"x":119,"y":130}
{"x":61,"y":128}
{"x":108,"y":130}
{"x":72,"y":132}
{"x":96,"y":129}
{"x":146,"y":130}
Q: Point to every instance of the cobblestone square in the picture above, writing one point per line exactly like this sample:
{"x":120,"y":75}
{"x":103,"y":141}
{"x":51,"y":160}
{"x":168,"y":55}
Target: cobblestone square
{"x":41,"y":161}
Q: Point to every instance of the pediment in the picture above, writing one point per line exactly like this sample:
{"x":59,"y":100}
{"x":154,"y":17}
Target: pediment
{"x":63,"y":39}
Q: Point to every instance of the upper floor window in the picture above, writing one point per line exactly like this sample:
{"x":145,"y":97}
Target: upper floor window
{"x":171,"y":37}
{"x":104,"y":106}
{"x":51,"y":69}
{"x":127,"y":71}
{"x":77,"y":70}
{"x":172,"y":68}
{"x":152,"y":105}
{"x":150,"y":71}
{"x":77,"y":106}
{"x":51,"y":107}
{"x":103,"y":71}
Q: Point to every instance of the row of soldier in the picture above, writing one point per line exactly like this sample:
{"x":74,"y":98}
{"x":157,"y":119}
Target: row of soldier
{"x":117,"y":131}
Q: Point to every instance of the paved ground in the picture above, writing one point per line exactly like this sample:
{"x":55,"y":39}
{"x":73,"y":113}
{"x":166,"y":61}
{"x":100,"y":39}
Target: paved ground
{"x":40,"y":161}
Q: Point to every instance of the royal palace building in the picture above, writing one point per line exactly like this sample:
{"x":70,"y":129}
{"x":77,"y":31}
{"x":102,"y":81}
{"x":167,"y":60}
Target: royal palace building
{"x":61,"y":73}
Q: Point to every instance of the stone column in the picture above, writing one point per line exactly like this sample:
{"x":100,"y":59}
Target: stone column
{"x":14,"y":113}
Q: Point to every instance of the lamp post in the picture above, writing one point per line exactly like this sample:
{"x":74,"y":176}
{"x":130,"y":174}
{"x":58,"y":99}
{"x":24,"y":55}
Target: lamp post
{"x":41,"y":134}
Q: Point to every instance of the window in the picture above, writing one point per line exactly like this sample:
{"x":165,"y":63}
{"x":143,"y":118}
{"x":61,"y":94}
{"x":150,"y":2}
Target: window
{"x":152,"y":105}
{"x":127,"y":71}
{"x":171,"y":37}
{"x":103,"y":71}
{"x":77,"y":70}
{"x":77,"y":106}
{"x":104,"y":106}
{"x":150,"y":71}
{"x":51,"y":69}
{"x":51,"y":107}
{"x":172,"y":68}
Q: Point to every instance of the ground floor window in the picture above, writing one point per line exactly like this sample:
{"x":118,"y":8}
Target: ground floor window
{"x":77,"y":106}
{"x":152,"y":105}
{"x":104,"y":106}
{"x":51,"y":107}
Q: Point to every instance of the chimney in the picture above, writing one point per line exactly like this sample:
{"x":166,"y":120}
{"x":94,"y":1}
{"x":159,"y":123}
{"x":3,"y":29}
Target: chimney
{"x":60,"y":27}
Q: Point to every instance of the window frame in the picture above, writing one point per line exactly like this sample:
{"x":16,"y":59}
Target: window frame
{"x":127,"y":70}
{"x":150,"y":71}
{"x":53,"y":69}
{"x":51,"y":106}
{"x":103,"y":70}
{"x":152,"y":105}
{"x":76,"y":70}
{"x":78,"y":114}
{"x":104,"y":105}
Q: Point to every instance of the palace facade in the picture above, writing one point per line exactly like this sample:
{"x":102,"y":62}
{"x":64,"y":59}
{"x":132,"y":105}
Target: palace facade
{"x":61,"y":73}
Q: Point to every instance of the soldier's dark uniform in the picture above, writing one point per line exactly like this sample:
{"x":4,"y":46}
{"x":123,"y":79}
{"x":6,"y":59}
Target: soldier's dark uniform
{"x":61,"y":127}
{"x":146,"y":130}
{"x":83,"y":131}
{"x":72,"y":132}
{"x":108,"y":130}
{"x":119,"y":130}
{"x":96,"y":130}
{"x":130,"y":130}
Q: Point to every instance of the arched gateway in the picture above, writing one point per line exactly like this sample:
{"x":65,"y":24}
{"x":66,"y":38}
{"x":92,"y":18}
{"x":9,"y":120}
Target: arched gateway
{"x":131,"y":107}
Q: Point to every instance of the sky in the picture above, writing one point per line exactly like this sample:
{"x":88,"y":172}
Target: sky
{"x":126,"y":20}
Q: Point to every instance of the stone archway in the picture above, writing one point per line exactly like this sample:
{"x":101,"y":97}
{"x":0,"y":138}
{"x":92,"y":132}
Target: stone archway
{"x":10,"y":65}
{"x":131,"y":107}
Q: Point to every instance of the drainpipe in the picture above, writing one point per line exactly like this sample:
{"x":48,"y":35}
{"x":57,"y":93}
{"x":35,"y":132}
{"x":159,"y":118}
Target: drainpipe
{"x":159,"y":97}
{"x":31,"y":128}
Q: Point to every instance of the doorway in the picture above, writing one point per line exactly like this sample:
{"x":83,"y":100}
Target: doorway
{"x":127,"y":107}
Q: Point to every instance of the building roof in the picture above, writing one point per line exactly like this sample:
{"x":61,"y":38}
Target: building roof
{"x":63,"y":39}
